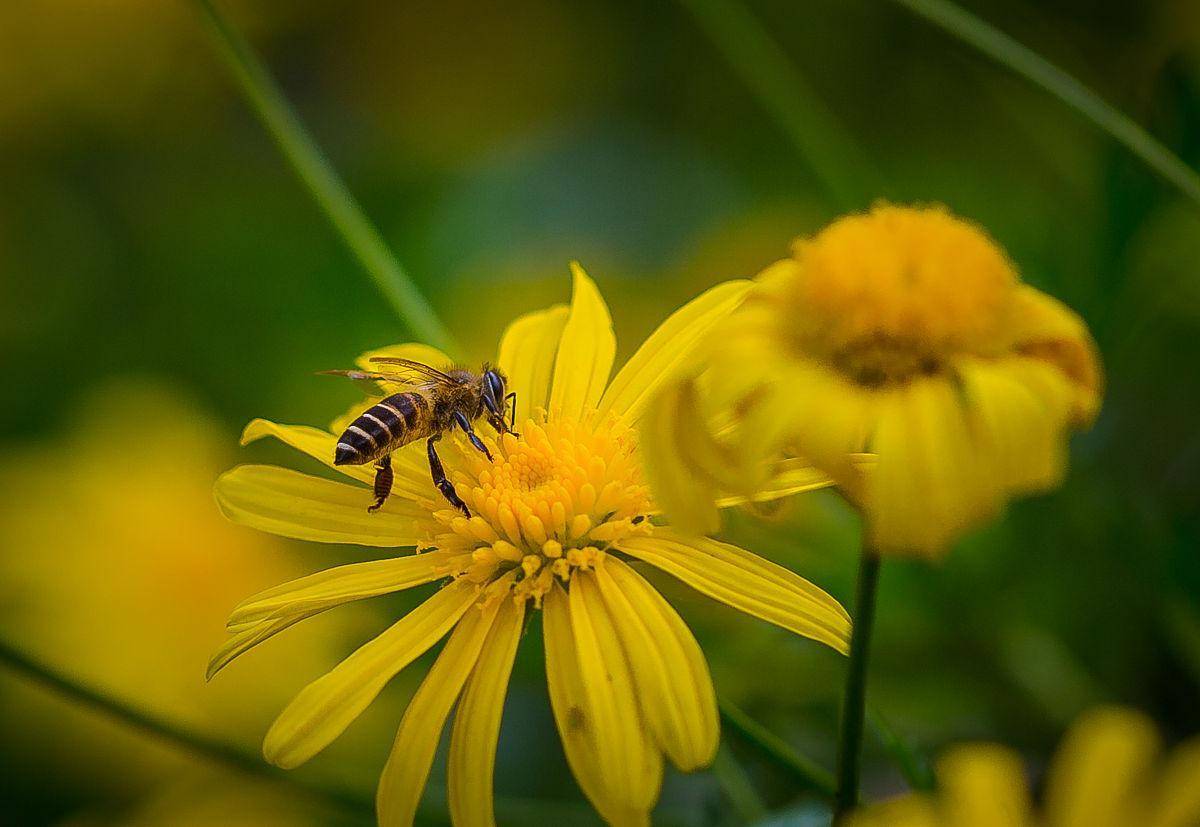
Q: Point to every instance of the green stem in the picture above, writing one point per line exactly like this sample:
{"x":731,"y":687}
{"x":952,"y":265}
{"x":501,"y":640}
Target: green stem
{"x":735,"y":783}
{"x":323,"y":183}
{"x":833,"y":155}
{"x":913,"y":765}
{"x":193,"y":742}
{"x":1033,"y":67}
{"x":854,"y":703}
{"x":804,"y":770}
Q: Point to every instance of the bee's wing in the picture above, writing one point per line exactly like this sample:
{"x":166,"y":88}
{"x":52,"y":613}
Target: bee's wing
{"x":375,"y":384}
{"x":408,"y":366}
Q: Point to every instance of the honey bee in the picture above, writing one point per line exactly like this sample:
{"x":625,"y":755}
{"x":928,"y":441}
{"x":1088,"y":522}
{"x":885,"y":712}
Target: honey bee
{"x":439,"y":400}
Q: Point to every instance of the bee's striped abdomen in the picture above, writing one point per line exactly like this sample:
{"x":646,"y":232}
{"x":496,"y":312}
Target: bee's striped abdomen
{"x":382,"y":428}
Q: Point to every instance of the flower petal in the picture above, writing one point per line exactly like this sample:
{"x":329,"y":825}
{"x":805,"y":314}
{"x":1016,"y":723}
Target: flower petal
{"x":1179,"y":788}
{"x":323,"y":710}
{"x":477,"y":721}
{"x":746,"y":582}
{"x":1018,"y":431}
{"x":318,"y":444}
{"x":1045,"y":328}
{"x":333,"y":587}
{"x":407,"y":769}
{"x":246,"y":638}
{"x":669,"y":672}
{"x":929,"y":484}
{"x":591,"y":693}
{"x":682,"y":460}
{"x":907,"y":811}
{"x":983,"y":785}
{"x":668,"y":347}
{"x":1098,"y":769}
{"x":527,"y":352}
{"x":585,"y":351}
{"x":790,"y":476}
{"x":292,"y":504}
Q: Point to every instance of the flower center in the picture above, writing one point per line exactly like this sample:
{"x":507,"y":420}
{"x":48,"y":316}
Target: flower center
{"x":548,"y":504}
{"x":891,"y":294}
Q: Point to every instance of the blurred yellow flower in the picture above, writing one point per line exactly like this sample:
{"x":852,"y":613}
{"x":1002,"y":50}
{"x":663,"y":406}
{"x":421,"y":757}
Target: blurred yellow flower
{"x":557,"y":518}
{"x":117,"y":570}
{"x":904,"y":332}
{"x":1106,"y":774}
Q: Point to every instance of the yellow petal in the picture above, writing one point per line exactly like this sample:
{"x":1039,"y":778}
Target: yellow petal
{"x":1098,"y":768}
{"x":585,"y":351}
{"x":670,"y":674}
{"x":1178,"y":799}
{"x":908,"y":811}
{"x":415,"y":351}
{"x":597,"y":716}
{"x":246,"y":638}
{"x":316,"y":443}
{"x":333,"y":587}
{"x":983,"y":786}
{"x":929,"y":484}
{"x":746,"y":582}
{"x":527,"y":351}
{"x":789,"y":477}
{"x":323,"y":710}
{"x":825,"y":418}
{"x":477,"y":721}
{"x":1018,"y":432}
{"x":292,"y":504}
{"x":1045,"y":328}
{"x":668,"y":347}
{"x":683,"y":483}
{"x":407,"y":768}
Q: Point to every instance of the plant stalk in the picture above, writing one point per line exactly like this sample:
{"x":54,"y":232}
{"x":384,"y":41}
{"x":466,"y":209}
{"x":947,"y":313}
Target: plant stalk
{"x":854,"y":703}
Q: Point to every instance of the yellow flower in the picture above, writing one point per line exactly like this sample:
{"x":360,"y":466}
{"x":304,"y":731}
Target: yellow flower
{"x":904,"y":332}
{"x":1104,"y":775}
{"x":557,"y":518}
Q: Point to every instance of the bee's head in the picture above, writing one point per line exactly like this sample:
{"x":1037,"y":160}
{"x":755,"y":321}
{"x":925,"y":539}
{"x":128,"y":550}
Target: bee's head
{"x":494,"y":391}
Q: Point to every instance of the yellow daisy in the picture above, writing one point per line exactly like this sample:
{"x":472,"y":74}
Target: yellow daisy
{"x":904,"y":332}
{"x":1106,"y":774}
{"x":558,"y":517}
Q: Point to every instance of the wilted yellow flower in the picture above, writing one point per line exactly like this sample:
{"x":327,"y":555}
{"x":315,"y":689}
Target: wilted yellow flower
{"x":1106,"y":774}
{"x":904,"y":333}
{"x":557,"y":518}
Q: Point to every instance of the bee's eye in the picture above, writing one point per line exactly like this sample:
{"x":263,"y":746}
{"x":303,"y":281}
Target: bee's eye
{"x":496,"y":385}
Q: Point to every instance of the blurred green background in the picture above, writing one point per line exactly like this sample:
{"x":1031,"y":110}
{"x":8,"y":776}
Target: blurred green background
{"x":164,"y":278}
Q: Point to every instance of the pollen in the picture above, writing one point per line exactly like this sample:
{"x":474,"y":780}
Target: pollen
{"x":893,"y":293}
{"x":550,"y":503}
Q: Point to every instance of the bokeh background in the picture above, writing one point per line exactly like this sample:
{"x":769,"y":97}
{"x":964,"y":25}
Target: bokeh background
{"x":164,"y":278}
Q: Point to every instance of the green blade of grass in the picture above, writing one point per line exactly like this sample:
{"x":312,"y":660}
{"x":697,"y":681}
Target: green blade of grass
{"x":1029,"y":64}
{"x":830,"y":149}
{"x":770,"y":745}
{"x":323,"y":183}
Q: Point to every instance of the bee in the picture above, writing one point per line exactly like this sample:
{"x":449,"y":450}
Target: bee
{"x":438,"y":401}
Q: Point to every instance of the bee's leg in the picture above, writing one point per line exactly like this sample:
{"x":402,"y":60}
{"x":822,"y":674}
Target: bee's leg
{"x":383,"y":481}
{"x":465,"y":424}
{"x":512,"y":422}
{"x":439,"y":478}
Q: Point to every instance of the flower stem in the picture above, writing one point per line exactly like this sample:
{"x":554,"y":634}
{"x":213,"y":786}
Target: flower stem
{"x":855,"y":700}
{"x":323,"y":183}
{"x":803,"y":769}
